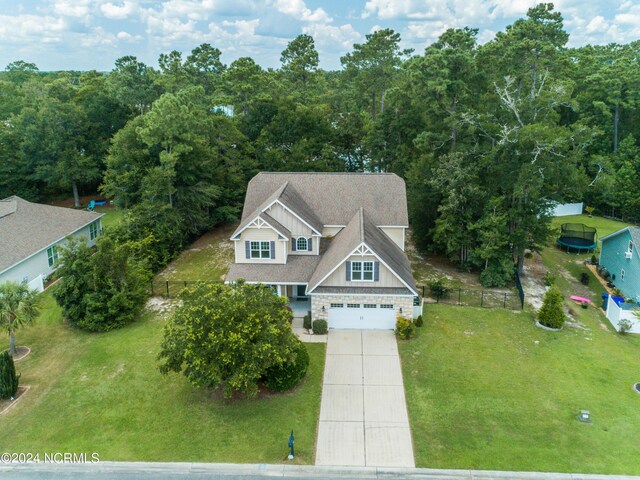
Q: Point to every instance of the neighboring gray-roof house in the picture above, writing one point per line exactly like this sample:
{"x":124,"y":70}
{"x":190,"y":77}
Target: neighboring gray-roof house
{"x":333,"y":243}
{"x":30,"y":233}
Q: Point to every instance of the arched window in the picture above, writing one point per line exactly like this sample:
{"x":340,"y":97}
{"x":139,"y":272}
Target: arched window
{"x":301,"y":244}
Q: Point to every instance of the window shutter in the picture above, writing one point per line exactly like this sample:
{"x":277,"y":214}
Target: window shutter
{"x":273,"y":249}
{"x":294,"y":246}
{"x":310,"y":244}
{"x":376,"y":271}
{"x":348,"y":271}
{"x":247,"y":248}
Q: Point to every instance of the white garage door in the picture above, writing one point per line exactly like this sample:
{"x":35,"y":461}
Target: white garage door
{"x":362,"y":316}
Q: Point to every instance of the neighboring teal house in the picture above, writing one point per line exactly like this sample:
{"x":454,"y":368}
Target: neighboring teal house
{"x":620,"y":255}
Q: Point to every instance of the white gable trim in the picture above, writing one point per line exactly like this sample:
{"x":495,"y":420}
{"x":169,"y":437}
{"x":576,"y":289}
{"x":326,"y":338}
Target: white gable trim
{"x":291,"y":212}
{"x":363,"y":247}
{"x":259,"y":222}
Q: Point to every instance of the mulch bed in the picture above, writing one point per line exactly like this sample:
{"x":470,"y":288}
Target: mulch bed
{"x":5,"y":405}
{"x":21,"y":352}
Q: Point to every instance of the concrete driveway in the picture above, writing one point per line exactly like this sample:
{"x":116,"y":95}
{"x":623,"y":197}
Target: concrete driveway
{"x":363,"y":414}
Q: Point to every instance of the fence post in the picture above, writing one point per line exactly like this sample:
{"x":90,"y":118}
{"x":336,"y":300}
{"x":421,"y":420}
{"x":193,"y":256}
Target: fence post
{"x":422,"y":291}
{"x":481,"y":298}
{"x":167,"y":289}
{"x":505,"y":301}
{"x":459,"y":296}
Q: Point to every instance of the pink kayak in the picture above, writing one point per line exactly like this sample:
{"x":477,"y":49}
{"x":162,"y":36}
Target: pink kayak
{"x":575,"y":298}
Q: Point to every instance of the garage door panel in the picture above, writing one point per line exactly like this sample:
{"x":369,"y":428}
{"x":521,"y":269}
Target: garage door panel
{"x":361,"y":316}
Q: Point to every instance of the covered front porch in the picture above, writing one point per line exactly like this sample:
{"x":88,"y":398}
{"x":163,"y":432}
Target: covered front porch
{"x":299,"y":302}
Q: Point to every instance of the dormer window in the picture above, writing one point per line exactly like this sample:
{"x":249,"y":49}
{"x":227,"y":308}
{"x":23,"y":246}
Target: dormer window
{"x":260,"y":250}
{"x":302,"y":244}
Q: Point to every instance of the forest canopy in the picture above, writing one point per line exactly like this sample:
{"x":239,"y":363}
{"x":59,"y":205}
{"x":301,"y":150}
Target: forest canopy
{"x":487,"y":136}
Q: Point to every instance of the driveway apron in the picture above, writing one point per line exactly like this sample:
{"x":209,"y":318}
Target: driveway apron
{"x":363,"y":413}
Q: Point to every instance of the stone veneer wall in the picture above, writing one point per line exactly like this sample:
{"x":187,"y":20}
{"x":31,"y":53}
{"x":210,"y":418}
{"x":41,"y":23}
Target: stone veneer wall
{"x":318,"y":301}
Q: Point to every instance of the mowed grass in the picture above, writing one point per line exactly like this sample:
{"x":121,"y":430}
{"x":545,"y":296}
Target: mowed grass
{"x":206,"y":259}
{"x":112,"y":215}
{"x":604,"y":226}
{"x":486,"y":389}
{"x":103,"y":393}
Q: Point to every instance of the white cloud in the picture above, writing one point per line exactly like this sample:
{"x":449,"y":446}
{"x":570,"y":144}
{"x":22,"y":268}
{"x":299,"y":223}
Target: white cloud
{"x":72,"y":8}
{"x":127,"y":37}
{"x":119,"y":12}
{"x":299,"y":10}
{"x":333,"y":38}
{"x":19,"y":29}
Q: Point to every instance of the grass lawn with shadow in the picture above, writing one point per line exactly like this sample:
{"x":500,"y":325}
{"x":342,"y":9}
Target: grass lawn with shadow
{"x":103,"y":393}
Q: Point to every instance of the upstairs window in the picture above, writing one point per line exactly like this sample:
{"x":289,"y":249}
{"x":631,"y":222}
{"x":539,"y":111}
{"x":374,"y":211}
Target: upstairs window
{"x":260,"y":250}
{"x":362,"y":271}
{"x":301,"y":244}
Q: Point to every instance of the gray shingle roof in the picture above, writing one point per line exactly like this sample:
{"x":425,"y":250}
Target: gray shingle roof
{"x":635,"y":236}
{"x":298,"y":268}
{"x":26,"y":228}
{"x":276,"y":224}
{"x":361,"y":229}
{"x":333,"y":197}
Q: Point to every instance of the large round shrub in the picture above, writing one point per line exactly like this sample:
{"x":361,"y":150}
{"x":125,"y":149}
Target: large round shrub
{"x":320,"y":327}
{"x":287,"y":375}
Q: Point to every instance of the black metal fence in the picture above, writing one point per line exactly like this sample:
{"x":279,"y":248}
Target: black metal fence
{"x":472,"y":297}
{"x":171,"y":288}
{"x":516,"y":279}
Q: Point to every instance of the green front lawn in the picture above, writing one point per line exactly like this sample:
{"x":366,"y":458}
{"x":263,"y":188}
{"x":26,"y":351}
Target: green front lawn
{"x":482,"y":394}
{"x":103,"y":393}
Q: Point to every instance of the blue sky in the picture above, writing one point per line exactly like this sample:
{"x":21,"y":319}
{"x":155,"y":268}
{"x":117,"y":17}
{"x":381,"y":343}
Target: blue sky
{"x":91,"y":34}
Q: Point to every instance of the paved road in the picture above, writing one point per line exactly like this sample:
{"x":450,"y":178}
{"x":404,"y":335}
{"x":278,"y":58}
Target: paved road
{"x":363,"y":413}
{"x":199,"y":471}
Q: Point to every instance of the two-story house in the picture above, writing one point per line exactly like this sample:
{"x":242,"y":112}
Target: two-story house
{"x":332,"y":243}
{"x":620,"y":255}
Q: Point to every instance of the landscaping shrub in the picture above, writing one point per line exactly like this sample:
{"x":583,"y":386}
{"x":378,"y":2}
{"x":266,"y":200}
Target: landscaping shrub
{"x":284,"y":377}
{"x":551,"y":313}
{"x":624,"y":326}
{"x":594,"y":260}
{"x":549,"y":279}
{"x":306,"y":321}
{"x":438,"y":288}
{"x":8,"y":378}
{"x":100,"y":291}
{"x":320,"y":327}
{"x":419,"y":321}
{"x":404,"y":328}
{"x":584,"y":278}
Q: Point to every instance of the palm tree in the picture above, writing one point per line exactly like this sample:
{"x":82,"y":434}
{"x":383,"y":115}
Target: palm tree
{"x":18,"y":307}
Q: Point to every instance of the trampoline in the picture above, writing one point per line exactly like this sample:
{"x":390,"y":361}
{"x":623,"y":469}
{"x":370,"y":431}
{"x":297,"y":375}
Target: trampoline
{"x":577,"y":236}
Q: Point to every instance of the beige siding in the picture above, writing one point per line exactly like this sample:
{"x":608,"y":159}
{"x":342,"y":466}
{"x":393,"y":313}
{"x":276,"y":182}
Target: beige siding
{"x":315,"y":244}
{"x":295,"y":226}
{"x":259,"y":234}
{"x":330,"y":231}
{"x":338,"y":278}
{"x":396,"y":234}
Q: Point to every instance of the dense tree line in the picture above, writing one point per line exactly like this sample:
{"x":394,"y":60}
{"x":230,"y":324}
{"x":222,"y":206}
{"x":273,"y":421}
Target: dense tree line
{"x":486,"y":136}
